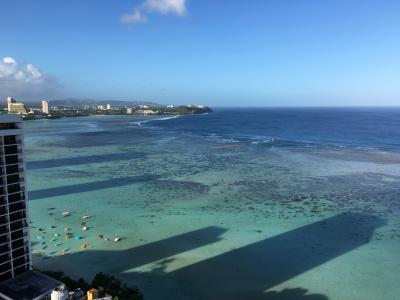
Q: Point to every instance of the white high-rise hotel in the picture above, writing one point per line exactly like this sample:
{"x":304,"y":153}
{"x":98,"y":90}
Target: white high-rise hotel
{"x":45,"y":107}
{"x":14,"y":234}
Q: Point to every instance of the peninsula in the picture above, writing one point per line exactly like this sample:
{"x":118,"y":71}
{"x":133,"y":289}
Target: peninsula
{"x":78,"y":108}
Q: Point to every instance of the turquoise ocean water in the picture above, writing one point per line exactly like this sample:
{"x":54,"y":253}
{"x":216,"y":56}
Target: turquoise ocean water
{"x":236,"y":204}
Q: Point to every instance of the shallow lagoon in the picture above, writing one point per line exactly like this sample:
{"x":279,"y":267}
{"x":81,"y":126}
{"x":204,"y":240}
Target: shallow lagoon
{"x":209,"y":216}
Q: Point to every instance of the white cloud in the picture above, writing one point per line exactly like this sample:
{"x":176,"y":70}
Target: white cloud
{"x":10,"y":71}
{"x":9,"y":60}
{"x":177,"y":7}
{"x":135,"y":17}
{"x":23,"y":80}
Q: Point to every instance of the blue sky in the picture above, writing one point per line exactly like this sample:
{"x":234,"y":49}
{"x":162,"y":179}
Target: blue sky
{"x":215,"y":52}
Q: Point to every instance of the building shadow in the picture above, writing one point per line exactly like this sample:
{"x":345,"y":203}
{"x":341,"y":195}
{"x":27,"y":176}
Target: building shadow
{"x":82,"y":160}
{"x":293,"y":294}
{"x":243,"y":273}
{"x":90,"y":186}
{"x":118,"y":261}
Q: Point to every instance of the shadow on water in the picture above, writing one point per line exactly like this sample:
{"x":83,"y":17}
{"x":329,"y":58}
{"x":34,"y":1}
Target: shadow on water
{"x":72,"y":161}
{"x":147,"y":253}
{"x":293,"y":294}
{"x":243,"y":273}
{"x":90,"y":186}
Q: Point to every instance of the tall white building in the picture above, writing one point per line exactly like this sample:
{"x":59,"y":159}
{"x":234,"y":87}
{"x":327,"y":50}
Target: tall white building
{"x":45,"y":107}
{"x":14,"y":234}
{"x":10,"y":100}
{"x":108,"y":106}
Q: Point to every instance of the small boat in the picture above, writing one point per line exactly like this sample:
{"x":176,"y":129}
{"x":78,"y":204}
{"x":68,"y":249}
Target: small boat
{"x":67,"y":229}
{"x":86,"y":217}
{"x":65,"y":249}
{"x":56,"y":234}
{"x":85,"y":228}
{"x":53,"y":240}
{"x":58,"y":244}
{"x":66,"y":214}
{"x":117,"y":239}
{"x":77,"y":237}
{"x":85,"y":246}
{"x":67,"y":236}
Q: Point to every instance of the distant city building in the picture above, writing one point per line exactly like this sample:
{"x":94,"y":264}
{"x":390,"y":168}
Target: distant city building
{"x":10,"y":100}
{"x":100,"y":107}
{"x":18,"y":108}
{"x":14,"y":106}
{"x":94,"y":294}
{"x":45,"y":107}
{"x":129,"y":110}
{"x":108,"y":106}
{"x":148,"y":112}
{"x":17,"y":280}
{"x":170,"y":106}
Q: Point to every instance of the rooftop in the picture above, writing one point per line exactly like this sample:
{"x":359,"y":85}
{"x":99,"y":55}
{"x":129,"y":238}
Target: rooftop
{"x":28,"y":286}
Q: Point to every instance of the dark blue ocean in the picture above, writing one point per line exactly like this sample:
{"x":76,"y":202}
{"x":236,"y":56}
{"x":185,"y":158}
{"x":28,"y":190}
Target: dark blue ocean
{"x":364,"y":127}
